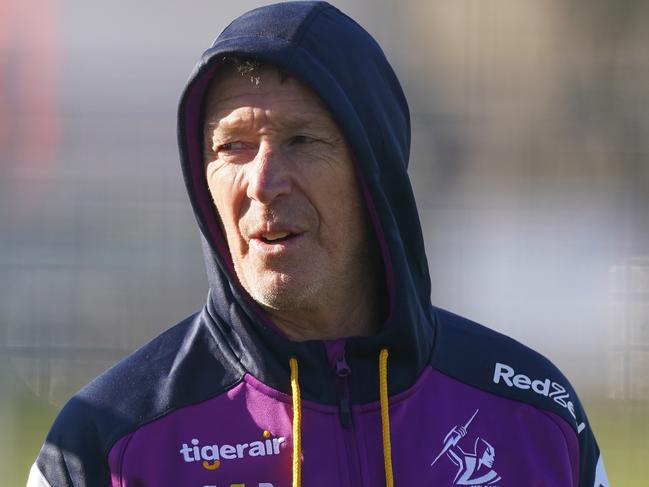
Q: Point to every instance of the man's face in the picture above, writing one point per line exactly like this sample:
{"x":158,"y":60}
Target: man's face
{"x":282,"y":180}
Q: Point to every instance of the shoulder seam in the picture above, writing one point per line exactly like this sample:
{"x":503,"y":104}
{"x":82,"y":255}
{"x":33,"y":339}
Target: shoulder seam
{"x":131,"y":431}
{"x":549,"y":415}
{"x":545,"y":410}
{"x":122,"y":454}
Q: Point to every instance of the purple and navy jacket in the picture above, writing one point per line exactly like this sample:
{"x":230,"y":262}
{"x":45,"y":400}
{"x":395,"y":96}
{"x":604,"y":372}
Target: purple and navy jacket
{"x":208,"y":403}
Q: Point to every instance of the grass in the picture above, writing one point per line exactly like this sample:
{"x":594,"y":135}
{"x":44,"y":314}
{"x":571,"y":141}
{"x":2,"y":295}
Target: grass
{"x":24,"y":422}
{"x":622,"y":431}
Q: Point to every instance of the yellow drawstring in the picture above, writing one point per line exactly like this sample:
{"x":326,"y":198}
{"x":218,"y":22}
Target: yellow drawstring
{"x":385,"y":420}
{"x":297,"y":424}
{"x":385,"y":416}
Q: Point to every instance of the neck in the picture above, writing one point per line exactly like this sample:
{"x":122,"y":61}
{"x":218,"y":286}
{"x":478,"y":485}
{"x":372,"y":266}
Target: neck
{"x":351,"y":310}
{"x":301,"y":325}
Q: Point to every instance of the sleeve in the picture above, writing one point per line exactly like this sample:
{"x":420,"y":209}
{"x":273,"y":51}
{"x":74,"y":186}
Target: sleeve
{"x":36,"y":478}
{"x":601,"y":480}
{"x":593,"y":473}
{"x":591,"y":465}
{"x":496,"y":363}
{"x":74,"y":451}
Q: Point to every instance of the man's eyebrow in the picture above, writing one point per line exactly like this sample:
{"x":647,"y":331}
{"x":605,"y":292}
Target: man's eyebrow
{"x":292,"y":122}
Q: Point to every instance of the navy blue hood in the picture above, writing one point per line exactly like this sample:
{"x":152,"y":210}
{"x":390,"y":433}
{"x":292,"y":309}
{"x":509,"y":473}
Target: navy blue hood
{"x":344,"y":65}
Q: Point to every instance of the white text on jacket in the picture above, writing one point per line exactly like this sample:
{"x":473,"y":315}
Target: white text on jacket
{"x":543,"y":387}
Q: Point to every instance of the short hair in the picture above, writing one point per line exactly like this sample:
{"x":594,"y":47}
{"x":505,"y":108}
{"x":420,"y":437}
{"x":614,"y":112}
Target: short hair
{"x":251,"y":67}
{"x":245,"y":66}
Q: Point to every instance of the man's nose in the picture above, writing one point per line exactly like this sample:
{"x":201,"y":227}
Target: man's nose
{"x":269,"y":175}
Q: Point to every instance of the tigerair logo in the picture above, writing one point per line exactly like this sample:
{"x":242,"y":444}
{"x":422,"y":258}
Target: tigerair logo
{"x":212,"y":456}
{"x":542,"y":387}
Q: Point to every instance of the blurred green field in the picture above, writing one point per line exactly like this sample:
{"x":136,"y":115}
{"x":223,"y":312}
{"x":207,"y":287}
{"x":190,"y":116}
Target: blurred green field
{"x":622,"y":429}
{"x":24,"y":421}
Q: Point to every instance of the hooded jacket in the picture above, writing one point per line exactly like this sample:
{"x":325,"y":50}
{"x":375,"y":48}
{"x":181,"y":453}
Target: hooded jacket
{"x":224,"y":399}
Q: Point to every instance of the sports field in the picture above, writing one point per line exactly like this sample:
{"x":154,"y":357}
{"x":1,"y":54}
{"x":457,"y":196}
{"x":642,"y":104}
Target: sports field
{"x":622,"y":430}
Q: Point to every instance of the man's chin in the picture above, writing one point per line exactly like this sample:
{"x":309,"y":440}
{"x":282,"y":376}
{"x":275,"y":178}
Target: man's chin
{"x":279,"y":298}
{"x":283,"y":289}
{"x":283,"y":294}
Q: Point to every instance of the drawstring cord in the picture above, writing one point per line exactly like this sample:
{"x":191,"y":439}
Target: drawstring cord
{"x":385,"y":420}
{"x":385,"y":416}
{"x":297,"y":424}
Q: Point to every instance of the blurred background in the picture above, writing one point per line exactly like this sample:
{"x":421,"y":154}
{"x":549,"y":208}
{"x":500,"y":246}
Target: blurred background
{"x":530,"y":164}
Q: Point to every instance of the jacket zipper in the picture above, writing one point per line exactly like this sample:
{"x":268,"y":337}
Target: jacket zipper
{"x":343,"y":372}
{"x":342,"y":388}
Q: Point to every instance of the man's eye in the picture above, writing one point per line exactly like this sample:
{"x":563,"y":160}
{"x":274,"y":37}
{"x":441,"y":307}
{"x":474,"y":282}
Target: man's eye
{"x":232,"y":146}
{"x":301,"y":139}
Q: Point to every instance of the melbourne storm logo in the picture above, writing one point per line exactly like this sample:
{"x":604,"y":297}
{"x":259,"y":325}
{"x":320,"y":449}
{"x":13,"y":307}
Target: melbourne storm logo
{"x":474,"y":468}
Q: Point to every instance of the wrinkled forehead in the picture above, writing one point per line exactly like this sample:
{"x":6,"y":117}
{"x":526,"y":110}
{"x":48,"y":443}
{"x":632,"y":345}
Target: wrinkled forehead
{"x":264,"y":86}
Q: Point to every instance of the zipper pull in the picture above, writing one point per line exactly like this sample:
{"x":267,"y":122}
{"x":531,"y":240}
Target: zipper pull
{"x":342,"y":385}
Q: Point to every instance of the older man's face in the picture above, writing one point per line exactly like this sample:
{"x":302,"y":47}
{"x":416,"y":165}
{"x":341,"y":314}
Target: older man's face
{"x":282,"y":180}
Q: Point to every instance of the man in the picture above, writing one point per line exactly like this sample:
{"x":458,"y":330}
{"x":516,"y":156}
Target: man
{"x":318,"y":359}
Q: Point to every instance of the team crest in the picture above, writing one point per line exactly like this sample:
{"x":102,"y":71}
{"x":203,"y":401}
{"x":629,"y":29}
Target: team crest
{"x":475,"y":466}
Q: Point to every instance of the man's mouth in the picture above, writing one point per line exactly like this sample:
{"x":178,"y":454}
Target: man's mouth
{"x":275,"y":237}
